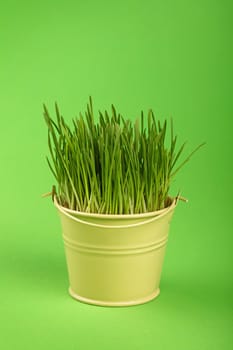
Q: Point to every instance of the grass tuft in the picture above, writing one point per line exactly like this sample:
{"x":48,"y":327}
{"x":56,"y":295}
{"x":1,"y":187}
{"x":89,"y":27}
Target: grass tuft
{"x":112,"y":166}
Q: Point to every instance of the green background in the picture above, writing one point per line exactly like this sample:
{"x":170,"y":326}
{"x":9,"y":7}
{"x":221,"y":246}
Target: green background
{"x":173,"y":56}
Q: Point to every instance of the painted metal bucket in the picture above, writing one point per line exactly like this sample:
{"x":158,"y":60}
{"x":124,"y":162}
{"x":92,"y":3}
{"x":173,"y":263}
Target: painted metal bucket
{"x":115,"y":260}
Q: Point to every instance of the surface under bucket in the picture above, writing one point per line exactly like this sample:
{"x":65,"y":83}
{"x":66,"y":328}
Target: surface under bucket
{"x":115,"y":260}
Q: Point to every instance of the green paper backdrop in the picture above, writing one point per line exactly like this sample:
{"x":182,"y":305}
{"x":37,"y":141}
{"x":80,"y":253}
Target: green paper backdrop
{"x":173,"y":56}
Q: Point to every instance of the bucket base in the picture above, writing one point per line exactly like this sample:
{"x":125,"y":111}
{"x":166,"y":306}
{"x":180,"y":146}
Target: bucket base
{"x":115,"y":303}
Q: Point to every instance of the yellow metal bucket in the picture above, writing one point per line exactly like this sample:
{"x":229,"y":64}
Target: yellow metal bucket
{"x":115,"y":260}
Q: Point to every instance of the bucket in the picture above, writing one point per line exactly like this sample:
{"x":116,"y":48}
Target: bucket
{"x":115,"y":260}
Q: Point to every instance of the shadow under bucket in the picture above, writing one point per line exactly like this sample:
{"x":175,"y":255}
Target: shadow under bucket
{"x":115,"y":260}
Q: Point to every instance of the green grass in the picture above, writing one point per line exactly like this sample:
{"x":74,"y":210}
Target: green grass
{"x":112,"y":166}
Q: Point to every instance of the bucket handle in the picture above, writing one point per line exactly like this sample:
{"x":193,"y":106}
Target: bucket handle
{"x":117,"y":226}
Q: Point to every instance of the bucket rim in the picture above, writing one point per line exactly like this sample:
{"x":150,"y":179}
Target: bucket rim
{"x":173,"y":202}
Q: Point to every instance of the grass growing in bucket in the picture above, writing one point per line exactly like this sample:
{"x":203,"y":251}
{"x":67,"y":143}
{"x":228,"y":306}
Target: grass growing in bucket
{"x":112,"y":166}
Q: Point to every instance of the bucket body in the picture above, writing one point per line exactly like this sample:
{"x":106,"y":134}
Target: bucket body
{"x":115,"y":260}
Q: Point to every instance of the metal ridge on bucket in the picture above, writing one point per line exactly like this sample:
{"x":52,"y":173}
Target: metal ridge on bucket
{"x":115,"y":216}
{"x":99,"y":216}
{"x":115,"y":303}
{"x":116,"y":250}
{"x":152,"y":216}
